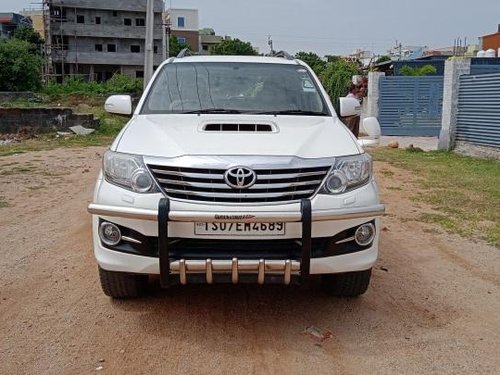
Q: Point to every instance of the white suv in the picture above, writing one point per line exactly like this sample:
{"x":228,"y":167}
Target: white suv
{"x":235,"y":169}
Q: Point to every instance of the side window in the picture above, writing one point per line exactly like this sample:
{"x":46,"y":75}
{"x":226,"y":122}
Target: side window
{"x":181,"y":22}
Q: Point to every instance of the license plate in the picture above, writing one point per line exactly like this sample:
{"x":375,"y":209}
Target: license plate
{"x":240,"y":229}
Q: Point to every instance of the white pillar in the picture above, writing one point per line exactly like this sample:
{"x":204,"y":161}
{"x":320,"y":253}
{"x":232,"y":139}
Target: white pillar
{"x":453,"y":69}
{"x":373,"y":93}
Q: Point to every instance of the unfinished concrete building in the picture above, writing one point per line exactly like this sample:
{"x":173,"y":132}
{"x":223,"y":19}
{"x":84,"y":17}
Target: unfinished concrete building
{"x":93,"y":39}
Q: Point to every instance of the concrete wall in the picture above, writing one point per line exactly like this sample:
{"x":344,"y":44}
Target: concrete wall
{"x":42,"y":120}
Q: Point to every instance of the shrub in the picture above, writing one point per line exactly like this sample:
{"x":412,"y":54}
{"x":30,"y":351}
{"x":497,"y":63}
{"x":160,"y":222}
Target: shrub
{"x":118,"y":84}
{"x":425,"y":70}
{"x":20,"y":69}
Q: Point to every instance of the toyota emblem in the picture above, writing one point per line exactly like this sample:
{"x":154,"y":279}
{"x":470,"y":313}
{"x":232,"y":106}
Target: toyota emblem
{"x":240,"y":177}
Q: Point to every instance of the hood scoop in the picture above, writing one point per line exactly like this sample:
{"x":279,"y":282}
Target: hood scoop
{"x":240,"y":128}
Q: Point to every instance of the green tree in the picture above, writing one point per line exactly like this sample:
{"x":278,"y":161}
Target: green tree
{"x":31,"y":36}
{"x":337,"y":78}
{"x":382,"y":59}
{"x":176,"y":47}
{"x":424,"y":70}
{"x":313,"y":60}
{"x":333,"y":58}
{"x":20,"y":69}
{"x":233,"y":47}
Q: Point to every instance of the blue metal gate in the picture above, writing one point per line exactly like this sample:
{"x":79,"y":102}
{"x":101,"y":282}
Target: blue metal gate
{"x":478,"y":119}
{"x":410,"y":106}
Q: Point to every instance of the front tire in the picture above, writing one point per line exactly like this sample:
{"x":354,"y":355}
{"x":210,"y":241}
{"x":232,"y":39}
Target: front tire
{"x":121,"y":285}
{"x":350,"y":284}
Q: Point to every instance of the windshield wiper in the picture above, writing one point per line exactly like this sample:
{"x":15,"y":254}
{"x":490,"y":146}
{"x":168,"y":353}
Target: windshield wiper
{"x":293,"y":112}
{"x":213,"y":110}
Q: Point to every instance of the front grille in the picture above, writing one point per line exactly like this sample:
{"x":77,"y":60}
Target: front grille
{"x":208,"y":185}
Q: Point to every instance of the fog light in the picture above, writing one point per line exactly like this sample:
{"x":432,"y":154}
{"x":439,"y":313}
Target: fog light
{"x":365,"y":234}
{"x":110,"y":234}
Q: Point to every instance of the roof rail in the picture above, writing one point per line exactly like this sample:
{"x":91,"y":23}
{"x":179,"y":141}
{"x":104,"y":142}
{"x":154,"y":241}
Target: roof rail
{"x":283,"y":54}
{"x":184,"y":53}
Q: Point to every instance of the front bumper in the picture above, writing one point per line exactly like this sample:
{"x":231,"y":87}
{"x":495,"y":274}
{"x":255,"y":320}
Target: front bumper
{"x":299,"y":268}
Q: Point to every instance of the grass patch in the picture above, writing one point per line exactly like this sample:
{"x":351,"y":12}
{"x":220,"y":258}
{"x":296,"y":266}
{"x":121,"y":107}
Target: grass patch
{"x":465,"y":191}
{"x":3,"y":202}
{"x":387,"y":173}
{"x":17,"y":170}
{"x":50,"y":142}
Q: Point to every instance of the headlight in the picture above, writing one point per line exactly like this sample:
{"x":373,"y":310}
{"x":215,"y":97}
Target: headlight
{"x":128,"y":171}
{"x":348,"y":173}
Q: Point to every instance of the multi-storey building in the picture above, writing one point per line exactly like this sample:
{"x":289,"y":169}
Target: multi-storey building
{"x":9,"y":22}
{"x":184,"y":25}
{"x":208,"y":39}
{"x":94,"y":39}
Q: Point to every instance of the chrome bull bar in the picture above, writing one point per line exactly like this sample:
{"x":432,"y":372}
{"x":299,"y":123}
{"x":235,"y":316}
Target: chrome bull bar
{"x":235,"y":267}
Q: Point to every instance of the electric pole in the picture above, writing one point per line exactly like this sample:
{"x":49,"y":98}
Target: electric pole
{"x":148,"y":53}
{"x":270,"y":44}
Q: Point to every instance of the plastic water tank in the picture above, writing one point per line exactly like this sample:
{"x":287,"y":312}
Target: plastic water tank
{"x":372,"y":127}
{"x":481,"y":53}
{"x":490,"y":53}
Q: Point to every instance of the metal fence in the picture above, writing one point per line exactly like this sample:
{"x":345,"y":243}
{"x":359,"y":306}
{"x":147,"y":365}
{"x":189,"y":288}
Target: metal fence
{"x":410,"y":106}
{"x":478,"y":119}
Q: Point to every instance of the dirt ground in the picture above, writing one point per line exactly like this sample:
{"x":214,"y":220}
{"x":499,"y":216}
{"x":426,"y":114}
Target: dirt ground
{"x":433,"y":305}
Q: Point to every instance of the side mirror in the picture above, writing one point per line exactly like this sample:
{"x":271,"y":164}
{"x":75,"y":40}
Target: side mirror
{"x":119,"y":104}
{"x":349,"y":107}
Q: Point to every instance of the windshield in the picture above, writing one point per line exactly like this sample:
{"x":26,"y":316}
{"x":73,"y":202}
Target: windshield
{"x":210,"y":87}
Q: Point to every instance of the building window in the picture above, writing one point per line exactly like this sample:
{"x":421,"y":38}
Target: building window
{"x":155,"y":49}
{"x":181,"y":22}
{"x":98,"y":20}
{"x":115,"y":13}
{"x":111,"y":47}
{"x":98,"y":47}
{"x":205,"y":47}
{"x":140,"y":22}
{"x":135,"y":49}
{"x":127,"y":21}
{"x":181,"y":40}
{"x":139,"y":74}
{"x":80,"y":19}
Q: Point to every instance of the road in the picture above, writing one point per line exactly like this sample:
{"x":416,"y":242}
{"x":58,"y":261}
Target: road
{"x":432,"y":306}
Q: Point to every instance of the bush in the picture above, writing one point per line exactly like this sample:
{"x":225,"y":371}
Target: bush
{"x":20,"y":69}
{"x":118,"y":84}
{"x":425,"y":70}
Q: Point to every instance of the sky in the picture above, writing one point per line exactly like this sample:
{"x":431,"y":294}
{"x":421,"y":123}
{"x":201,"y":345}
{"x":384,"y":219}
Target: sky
{"x":339,"y":27}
